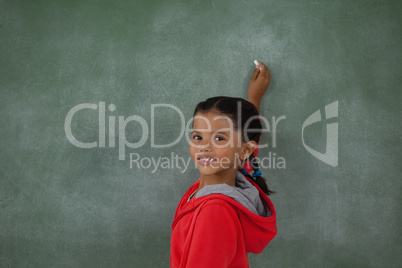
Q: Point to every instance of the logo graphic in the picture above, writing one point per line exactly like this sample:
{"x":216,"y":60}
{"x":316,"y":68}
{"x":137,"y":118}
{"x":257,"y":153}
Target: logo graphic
{"x":331,"y":153}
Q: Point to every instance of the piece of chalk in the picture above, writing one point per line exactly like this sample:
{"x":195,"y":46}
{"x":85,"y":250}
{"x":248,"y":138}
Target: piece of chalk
{"x":257,"y":64}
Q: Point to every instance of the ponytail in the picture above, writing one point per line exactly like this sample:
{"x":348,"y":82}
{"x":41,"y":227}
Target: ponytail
{"x":257,"y":178}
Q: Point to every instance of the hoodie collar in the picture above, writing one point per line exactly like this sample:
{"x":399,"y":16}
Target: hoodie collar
{"x":244,"y":193}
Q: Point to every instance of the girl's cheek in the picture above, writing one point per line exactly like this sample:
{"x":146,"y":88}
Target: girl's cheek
{"x":220,"y":153}
{"x":193,"y":148}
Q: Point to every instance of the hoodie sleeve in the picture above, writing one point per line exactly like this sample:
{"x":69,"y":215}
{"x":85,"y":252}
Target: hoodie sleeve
{"x":214,"y":239}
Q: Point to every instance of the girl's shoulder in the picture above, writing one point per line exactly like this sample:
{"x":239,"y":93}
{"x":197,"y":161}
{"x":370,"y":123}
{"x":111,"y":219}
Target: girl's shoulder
{"x":217,"y":208}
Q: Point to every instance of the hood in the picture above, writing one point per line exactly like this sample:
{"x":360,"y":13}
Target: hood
{"x":244,"y":192}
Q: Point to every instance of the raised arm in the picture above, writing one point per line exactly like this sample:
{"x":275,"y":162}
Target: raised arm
{"x":259,"y":83}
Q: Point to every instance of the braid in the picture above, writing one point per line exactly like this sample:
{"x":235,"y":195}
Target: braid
{"x":259,"y":180}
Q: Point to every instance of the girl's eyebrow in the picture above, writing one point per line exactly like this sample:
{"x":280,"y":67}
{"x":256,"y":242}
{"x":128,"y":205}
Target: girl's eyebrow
{"x":222,"y":132}
{"x":215,"y":132}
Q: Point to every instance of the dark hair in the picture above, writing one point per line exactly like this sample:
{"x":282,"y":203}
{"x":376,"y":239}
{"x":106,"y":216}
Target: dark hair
{"x":248,"y":118}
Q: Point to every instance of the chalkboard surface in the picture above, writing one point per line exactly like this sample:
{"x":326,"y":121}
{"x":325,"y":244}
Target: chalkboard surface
{"x":94,"y":93}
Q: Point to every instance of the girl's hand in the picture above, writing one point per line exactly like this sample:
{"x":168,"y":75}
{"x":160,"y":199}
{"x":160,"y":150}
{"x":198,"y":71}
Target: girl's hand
{"x":259,"y":83}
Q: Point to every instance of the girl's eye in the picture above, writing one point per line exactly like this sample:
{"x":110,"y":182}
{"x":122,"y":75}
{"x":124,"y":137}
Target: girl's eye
{"x":219,"y":139}
{"x":196,"y":137}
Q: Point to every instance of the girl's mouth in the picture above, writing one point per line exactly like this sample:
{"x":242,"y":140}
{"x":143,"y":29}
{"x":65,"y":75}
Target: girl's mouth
{"x":206,"y":161}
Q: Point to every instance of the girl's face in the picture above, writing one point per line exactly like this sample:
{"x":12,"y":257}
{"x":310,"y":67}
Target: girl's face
{"x":215,"y":145}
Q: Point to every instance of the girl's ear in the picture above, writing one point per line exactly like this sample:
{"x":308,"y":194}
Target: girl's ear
{"x":247,"y":149}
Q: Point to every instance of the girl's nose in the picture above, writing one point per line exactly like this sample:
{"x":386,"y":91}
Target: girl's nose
{"x":205,"y":147}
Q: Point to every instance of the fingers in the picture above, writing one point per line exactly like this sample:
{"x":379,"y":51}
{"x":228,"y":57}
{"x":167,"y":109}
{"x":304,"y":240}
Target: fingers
{"x":256,"y":72}
{"x":264,"y":70}
{"x":261,"y":71}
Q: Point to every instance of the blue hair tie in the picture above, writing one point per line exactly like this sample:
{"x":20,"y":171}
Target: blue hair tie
{"x":257,"y":173}
{"x":244,"y":172}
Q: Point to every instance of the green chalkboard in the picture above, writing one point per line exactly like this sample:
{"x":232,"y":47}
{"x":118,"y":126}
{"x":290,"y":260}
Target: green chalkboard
{"x":92,"y":92}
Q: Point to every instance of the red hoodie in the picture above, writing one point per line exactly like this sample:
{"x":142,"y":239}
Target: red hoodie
{"x":217,"y":231}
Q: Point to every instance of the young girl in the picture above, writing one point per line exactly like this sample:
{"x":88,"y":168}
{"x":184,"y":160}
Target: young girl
{"x":226,"y":213}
